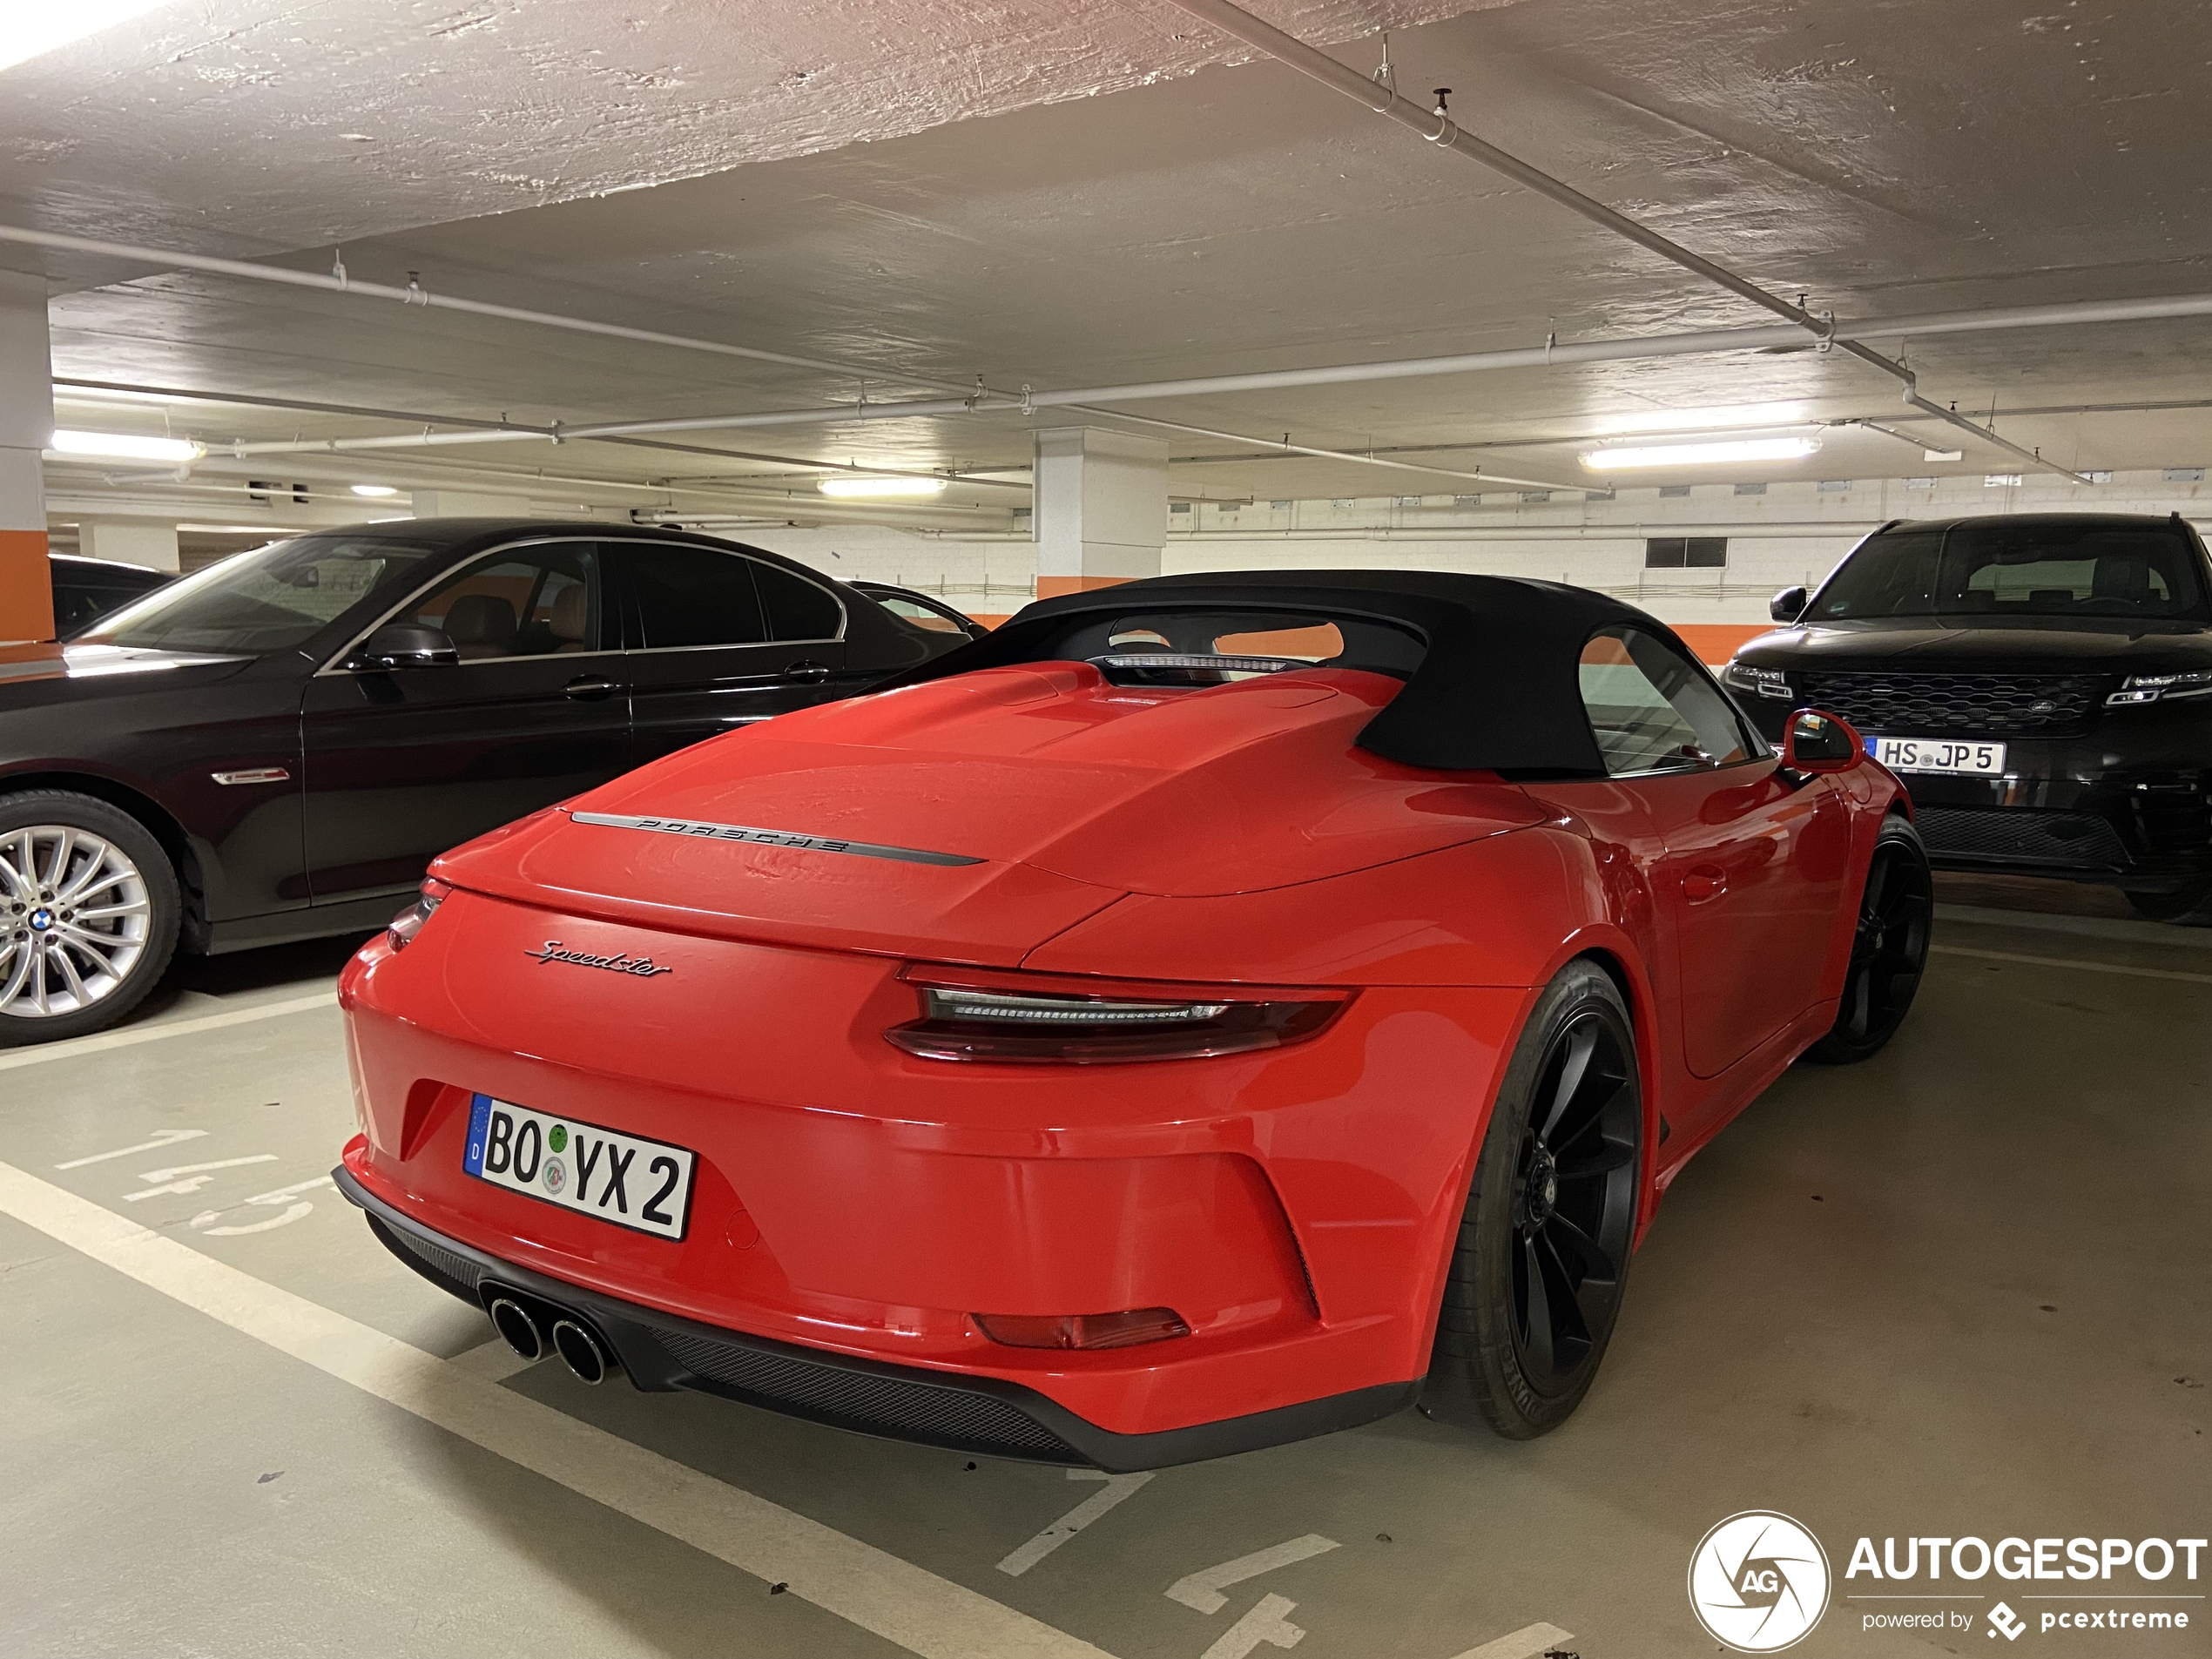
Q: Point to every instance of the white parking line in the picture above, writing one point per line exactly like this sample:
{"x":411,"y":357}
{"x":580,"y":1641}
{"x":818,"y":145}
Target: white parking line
{"x":154,"y":1033}
{"x":1521,"y":1644}
{"x":861,"y":1584}
{"x":1203,"y":1590}
{"x":494,"y":1361}
{"x":2068,"y":961}
{"x":161,"y":1137}
{"x":1265,"y":1622}
{"x":1119,"y":1487}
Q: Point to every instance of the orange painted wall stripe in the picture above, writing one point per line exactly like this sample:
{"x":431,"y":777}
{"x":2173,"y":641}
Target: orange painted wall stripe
{"x":26,"y":586}
{"x":1716,"y":641}
{"x":1051,"y":587}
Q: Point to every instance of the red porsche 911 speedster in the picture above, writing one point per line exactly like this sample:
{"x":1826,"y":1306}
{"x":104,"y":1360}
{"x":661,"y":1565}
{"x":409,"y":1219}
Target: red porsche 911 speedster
{"x":1208,"y":1011}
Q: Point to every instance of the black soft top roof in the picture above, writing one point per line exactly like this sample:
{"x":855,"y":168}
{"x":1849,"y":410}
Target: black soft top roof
{"x":1496,"y":688}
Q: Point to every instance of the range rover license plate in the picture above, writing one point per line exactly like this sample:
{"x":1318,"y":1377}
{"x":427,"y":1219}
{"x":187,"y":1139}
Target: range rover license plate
{"x":1961,"y":756}
{"x":633,"y":1182}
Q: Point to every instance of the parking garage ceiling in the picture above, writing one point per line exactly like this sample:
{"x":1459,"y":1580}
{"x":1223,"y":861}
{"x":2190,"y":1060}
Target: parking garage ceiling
{"x":1108,"y":194}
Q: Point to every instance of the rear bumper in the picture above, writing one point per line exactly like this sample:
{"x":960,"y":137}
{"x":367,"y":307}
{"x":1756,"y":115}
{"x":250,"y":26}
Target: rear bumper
{"x":985,"y":1416}
{"x":1295,"y":1207}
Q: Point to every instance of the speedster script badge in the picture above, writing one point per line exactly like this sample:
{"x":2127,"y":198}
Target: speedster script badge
{"x":621,"y":963}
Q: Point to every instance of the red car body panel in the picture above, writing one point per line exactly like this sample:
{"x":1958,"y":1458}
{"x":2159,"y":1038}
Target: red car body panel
{"x":1295,"y":1205}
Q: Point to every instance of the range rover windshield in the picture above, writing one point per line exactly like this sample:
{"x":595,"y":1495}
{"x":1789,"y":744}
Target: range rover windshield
{"x":2144,"y":571}
{"x":269,"y":599}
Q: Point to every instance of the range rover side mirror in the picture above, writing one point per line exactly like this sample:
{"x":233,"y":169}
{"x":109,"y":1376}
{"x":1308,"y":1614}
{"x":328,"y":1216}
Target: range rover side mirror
{"x":1814,"y":743}
{"x":1788,"y":605}
{"x":405,"y":644}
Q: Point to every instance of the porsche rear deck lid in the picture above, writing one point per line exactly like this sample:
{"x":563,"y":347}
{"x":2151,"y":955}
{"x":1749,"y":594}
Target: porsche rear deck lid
{"x":1496,"y":688}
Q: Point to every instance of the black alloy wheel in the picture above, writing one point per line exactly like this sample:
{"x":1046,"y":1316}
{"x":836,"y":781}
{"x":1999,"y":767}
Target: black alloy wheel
{"x":1542,"y":1259}
{"x":1889,"y":950}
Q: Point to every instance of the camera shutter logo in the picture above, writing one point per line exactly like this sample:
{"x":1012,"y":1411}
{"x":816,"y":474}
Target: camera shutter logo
{"x":1758,"y":1582}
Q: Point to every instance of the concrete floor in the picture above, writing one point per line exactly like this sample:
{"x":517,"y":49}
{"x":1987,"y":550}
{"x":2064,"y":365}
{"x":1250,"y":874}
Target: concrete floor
{"x":1959,"y":1290}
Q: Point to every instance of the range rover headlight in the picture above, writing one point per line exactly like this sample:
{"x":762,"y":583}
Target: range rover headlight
{"x":1767,"y":682}
{"x":2153,"y":688}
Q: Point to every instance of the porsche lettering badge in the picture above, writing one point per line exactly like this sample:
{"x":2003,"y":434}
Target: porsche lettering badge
{"x":769,"y":838}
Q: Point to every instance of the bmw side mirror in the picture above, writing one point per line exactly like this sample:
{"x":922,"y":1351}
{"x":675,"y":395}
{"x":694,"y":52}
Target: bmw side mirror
{"x":406,"y":645}
{"x":1788,"y":605}
{"x":1814,"y":743}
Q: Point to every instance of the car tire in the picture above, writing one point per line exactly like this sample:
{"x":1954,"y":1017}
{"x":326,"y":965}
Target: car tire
{"x":1889,"y":949}
{"x":1553,"y":1205}
{"x":64,"y":973}
{"x":2188,"y":907}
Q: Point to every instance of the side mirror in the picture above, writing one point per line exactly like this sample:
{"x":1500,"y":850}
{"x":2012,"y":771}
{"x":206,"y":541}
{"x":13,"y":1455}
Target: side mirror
{"x":1788,"y":605}
{"x":406,"y":645}
{"x":1814,"y":743}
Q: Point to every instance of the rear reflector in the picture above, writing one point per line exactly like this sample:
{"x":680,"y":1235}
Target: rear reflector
{"x":1085,"y":1021}
{"x":1082,"y":1330}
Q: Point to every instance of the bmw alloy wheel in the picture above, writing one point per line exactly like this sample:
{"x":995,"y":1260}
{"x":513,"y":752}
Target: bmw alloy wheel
{"x":78,"y":917}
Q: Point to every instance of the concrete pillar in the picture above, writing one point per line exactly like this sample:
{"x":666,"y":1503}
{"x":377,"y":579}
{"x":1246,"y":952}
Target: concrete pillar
{"x":130,"y":540}
{"x":26,"y":424}
{"x":1101,"y":512}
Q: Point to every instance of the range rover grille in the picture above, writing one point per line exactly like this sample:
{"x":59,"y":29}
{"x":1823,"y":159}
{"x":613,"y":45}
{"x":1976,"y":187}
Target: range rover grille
{"x":1981,"y":705}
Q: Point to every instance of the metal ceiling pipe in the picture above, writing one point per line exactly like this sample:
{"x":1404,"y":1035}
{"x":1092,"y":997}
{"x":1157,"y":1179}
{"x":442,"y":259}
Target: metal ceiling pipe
{"x":1441,"y":130}
{"x":620,"y":431}
{"x":1631,"y":349}
{"x":1438,"y":128}
{"x":416,"y":294}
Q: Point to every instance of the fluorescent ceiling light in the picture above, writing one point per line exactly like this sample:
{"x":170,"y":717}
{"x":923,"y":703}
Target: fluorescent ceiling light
{"x":29,"y":31}
{"x":123,"y":446}
{"x":374,"y":490}
{"x":1708,"y":420}
{"x":881,"y":486}
{"x":1701,"y":455}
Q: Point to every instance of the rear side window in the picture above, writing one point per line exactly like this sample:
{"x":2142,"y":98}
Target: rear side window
{"x":694,"y":595}
{"x":1653,"y":709}
{"x":797,"y":609}
{"x":1212,"y":646}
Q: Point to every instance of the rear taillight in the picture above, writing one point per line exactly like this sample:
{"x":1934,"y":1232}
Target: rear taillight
{"x":1082,"y":1330}
{"x":410,"y":921}
{"x":1089,"y":1022}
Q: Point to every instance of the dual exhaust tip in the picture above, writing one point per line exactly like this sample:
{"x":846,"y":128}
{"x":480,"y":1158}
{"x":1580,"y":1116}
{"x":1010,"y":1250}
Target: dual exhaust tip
{"x":580,"y":1348}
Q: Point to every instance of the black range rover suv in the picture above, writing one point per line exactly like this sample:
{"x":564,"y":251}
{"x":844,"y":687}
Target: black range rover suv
{"x":2042,"y":683}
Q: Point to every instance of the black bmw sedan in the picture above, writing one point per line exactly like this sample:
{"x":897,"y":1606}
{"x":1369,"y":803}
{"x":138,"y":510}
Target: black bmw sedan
{"x":2042,"y":682}
{"x":275,"y":747}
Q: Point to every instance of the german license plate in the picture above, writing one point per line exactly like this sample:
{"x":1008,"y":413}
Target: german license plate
{"x":622,"y":1178}
{"x":1965,"y":756}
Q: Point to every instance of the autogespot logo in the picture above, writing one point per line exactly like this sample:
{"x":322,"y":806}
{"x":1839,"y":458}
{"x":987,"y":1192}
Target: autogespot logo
{"x":1758,"y":1582}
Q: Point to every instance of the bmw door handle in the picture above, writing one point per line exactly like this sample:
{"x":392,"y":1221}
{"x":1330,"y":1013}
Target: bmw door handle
{"x":1701,"y":883}
{"x":809,"y":673}
{"x":587,"y":688}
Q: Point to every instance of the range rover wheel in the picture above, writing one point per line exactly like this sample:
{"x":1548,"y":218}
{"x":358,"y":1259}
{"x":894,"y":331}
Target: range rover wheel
{"x":1888,"y":953}
{"x":2188,"y":907}
{"x":1542,"y":1255}
{"x":89,"y":910}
